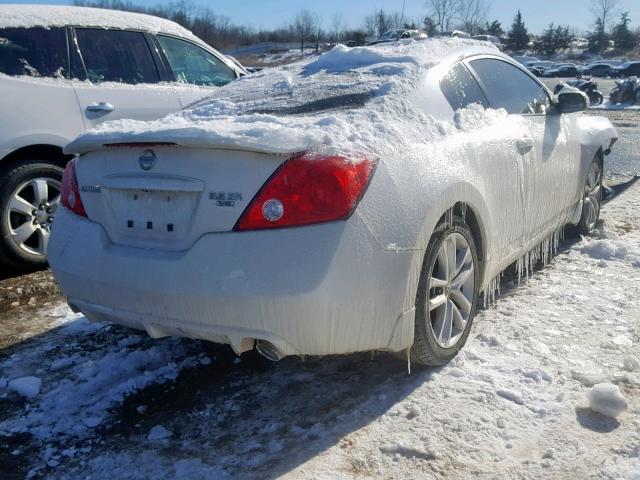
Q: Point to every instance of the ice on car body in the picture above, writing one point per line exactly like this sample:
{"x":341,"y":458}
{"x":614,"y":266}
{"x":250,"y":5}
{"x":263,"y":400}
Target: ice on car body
{"x":335,"y":287}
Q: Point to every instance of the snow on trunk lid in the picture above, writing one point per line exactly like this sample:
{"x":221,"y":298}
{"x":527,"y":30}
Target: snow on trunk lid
{"x":166,"y":198}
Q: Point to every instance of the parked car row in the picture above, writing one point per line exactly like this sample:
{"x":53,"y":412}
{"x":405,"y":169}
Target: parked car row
{"x":600,"y":69}
{"x":59,"y":78}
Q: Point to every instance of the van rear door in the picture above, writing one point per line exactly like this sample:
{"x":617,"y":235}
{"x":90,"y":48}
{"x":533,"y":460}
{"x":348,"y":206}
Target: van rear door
{"x":123,"y":78}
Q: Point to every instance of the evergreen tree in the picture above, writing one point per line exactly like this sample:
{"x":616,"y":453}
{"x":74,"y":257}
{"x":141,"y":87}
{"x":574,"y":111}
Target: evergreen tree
{"x":553,"y":39}
{"x":430,"y":26}
{"x":598,"y":39}
{"x":622,"y":36}
{"x":493,"y":28}
{"x":546,"y":44}
{"x":518,"y":36}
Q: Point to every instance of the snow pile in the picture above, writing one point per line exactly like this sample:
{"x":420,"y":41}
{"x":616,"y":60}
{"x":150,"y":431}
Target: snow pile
{"x":159,"y":433}
{"x":606,"y":399}
{"x":59,"y":16}
{"x":611,"y":246}
{"x":355,"y":99}
{"x":476,"y":116}
{"x":26,"y":386}
{"x":342,"y":58}
{"x":631,"y":363}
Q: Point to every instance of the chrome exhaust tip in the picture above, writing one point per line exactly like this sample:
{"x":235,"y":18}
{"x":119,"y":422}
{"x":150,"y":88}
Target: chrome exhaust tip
{"x":268,"y":350}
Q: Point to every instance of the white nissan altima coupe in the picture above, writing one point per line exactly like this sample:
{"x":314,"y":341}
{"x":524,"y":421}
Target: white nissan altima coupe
{"x":360,"y":201}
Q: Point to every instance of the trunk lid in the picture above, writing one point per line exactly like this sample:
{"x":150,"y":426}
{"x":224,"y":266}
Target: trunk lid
{"x":166,"y":197}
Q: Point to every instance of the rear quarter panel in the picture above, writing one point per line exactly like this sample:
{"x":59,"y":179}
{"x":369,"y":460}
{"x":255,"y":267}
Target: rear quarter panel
{"x":37,"y":111}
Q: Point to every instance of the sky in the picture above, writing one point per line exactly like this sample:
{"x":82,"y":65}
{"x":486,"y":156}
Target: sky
{"x":275,"y":13}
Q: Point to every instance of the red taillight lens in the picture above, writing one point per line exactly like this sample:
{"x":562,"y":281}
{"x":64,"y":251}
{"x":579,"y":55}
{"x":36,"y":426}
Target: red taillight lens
{"x":308,"y":189}
{"x":70,"y":194}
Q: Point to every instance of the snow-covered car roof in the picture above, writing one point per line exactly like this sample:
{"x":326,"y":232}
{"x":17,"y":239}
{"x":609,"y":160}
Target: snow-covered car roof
{"x":347,"y":96}
{"x":48,"y":16}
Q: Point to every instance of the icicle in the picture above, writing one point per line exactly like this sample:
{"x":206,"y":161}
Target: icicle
{"x":463,"y":209}
{"x":449,"y":218}
{"x":373,"y":354}
{"x":409,"y":361}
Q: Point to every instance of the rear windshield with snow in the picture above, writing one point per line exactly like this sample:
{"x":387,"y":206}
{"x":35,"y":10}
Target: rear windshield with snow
{"x":36,"y":52}
{"x":283,"y":96}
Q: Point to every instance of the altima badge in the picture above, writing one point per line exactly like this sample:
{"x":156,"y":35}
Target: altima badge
{"x":147,"y":160}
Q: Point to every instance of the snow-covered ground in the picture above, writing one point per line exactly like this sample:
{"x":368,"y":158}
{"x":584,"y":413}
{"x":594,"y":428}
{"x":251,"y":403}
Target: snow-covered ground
{"x":108,"y":402}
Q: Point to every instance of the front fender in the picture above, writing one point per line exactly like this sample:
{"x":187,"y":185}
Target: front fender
{"x":595,"y":133}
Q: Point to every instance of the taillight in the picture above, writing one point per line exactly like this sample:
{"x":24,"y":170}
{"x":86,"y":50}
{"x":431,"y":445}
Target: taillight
{"x":70,"y":193}
{"x":308,"y":189}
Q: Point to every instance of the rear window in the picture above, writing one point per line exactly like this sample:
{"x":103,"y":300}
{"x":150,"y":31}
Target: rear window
{"x":461,"y":89}
{"x":36,"y":52}
{"x":279,"y":96}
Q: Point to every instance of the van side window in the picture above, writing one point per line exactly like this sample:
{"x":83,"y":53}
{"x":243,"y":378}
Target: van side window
{"x":194,"y":65}
{"x":116,"y":56}
{"x":35,"y":52}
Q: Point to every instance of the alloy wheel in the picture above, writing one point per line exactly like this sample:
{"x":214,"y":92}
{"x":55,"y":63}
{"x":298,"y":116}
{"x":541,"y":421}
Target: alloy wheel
{"x":592,"y":196}
{"x":30,"y":214}
{"x":451,"y":290}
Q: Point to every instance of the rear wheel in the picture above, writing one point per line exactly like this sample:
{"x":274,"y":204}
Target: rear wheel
{"x":29,"y":196}
{"x":447,"y":295}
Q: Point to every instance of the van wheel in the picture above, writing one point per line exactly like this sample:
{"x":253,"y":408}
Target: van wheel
{"x":447,"y":295}
{"x":29,"y":196}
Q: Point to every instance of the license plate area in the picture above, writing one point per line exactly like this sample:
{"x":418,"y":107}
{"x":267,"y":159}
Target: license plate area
{"x":150,"y":214}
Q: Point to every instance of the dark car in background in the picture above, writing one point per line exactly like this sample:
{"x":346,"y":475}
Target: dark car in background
{"x":562,"y":71}
{"x":629,"y":69}
{"x":601,"y":70}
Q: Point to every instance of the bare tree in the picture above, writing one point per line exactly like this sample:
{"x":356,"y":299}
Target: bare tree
{"x":306,"y":26}
{"x":338,"y":26}
{"x":380,"y":22}
{"x":472,"y":15}
{"x":604,"y":11}
{"x":444,"y":13}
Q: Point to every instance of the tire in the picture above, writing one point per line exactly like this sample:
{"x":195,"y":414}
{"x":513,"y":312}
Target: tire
{"x":27,"y":185}
{"x":591,"y":200}
{"x":628,"y":97}
{"x":614,"y":97}
{"x":597,"y":98}
{"x":441,"y":308}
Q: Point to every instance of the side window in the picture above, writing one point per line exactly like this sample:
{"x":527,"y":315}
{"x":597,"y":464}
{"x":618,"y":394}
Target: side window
{"x":461,"y":89}
{"x":194,"y":65}
{"x":116,"y":56}
{"x":506,"y":86}
{"x":36,"y":52}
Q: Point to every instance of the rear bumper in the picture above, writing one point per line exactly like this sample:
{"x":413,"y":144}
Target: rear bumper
{"x":315,"y":290}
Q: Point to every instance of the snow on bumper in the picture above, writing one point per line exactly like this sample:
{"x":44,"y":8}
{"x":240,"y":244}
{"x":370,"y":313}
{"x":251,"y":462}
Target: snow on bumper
{"x":315,"y":290}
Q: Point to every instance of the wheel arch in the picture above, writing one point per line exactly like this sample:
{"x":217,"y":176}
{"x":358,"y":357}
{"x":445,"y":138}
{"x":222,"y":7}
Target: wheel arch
{"x":41,"y":151}
{"x":470,"y":216}
{"x":468,"y":203}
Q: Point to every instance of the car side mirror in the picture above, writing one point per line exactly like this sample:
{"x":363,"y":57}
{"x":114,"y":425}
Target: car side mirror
{"x":571,"y":100}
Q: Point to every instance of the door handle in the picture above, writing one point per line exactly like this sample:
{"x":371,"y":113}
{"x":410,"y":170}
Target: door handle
{"x":105,"y":107}
{"x":524,"y":146}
